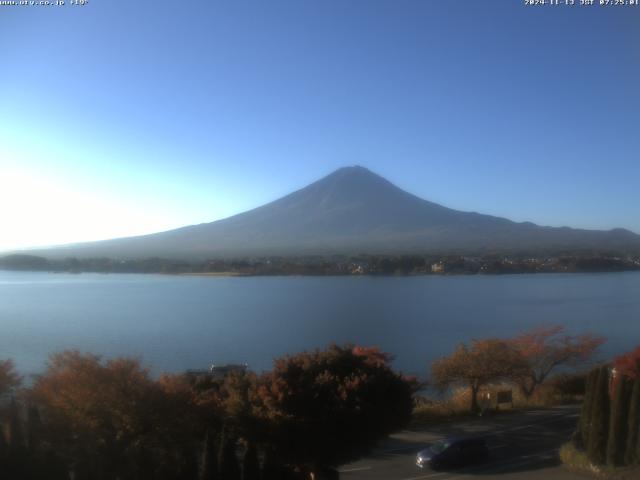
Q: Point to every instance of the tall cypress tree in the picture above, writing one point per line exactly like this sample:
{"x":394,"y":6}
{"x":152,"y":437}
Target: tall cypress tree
{"x":637,"y":456}
{"x":598,"y":434}
{"x":587,"y":408}
{"x":617,"y":442}
{"x":633,"y":424}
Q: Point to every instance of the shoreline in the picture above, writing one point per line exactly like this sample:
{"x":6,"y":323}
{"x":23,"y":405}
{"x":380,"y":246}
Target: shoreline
{"x":331,"y":275}
{"x":356,"y":265}
{"x":200,"y":274}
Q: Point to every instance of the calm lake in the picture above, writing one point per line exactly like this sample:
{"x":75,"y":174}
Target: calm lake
{"x":179,"y":322}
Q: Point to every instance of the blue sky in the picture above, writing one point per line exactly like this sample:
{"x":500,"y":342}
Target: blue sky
{"x":120,"y":118}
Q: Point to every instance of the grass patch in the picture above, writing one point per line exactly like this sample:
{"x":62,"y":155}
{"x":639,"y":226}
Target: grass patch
{"x":430,"y":413}
{"x":576,"y":460}
{"x":456,"y":406}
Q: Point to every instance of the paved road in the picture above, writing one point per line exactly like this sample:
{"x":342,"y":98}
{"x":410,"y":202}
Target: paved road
{"x":523,"y":446}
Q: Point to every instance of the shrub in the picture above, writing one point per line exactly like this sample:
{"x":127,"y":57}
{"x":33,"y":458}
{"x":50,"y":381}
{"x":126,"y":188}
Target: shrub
{"x":575,"y":458}
{"x":570,"y":385}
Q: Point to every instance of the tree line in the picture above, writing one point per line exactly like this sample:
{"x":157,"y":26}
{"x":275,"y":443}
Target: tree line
{"x":109,"y":419}
{"x":334,"y":264}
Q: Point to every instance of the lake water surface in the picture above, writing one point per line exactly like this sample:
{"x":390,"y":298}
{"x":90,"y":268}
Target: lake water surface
{"x":179,"y":322}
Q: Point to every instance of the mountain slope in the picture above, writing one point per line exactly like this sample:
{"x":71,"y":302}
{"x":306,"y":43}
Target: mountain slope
{"x":352,"y":210}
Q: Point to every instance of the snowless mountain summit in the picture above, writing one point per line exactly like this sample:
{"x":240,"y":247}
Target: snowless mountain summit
{"x":353,"y":211}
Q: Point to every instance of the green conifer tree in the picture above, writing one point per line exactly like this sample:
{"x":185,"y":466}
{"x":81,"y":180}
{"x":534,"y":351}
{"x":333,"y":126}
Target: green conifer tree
{"x":637,"y":456}
{"x":633,"y":425}
{"x":617,"y":442}
{"x":599,"y":430}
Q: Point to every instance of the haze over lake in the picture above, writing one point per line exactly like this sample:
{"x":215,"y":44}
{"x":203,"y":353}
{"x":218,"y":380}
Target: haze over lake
{"x":178,"y":322}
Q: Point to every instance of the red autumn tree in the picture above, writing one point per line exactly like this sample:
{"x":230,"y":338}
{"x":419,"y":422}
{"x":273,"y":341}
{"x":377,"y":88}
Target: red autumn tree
{"x":329,"y":407}
{"x":628,"y":364}
{"x":372,"y":355}
{"x":546,"y":348}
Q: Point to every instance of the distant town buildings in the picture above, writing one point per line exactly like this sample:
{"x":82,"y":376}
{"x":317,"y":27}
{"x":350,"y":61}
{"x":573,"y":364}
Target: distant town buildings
{"x":437,"y":267}
{"x":336,"y":265}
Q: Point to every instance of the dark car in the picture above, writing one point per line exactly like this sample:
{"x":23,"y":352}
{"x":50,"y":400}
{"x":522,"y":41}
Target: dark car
{"x":453,"y":452}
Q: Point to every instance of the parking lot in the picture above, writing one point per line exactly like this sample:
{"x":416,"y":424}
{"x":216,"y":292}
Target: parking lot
{"x":522,"y":446}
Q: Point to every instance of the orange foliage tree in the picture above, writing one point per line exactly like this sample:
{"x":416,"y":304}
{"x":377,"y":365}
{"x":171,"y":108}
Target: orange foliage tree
{"x":110,"y":419}
{"x":484,"y":362}
{"x":546,"y":348}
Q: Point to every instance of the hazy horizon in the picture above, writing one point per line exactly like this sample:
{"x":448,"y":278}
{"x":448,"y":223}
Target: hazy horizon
{"x":127,"y":119}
